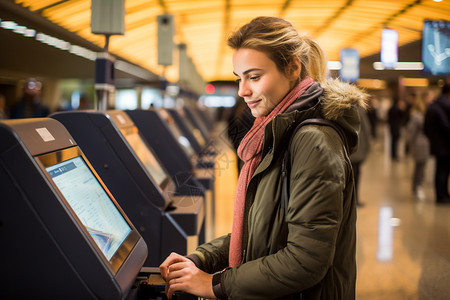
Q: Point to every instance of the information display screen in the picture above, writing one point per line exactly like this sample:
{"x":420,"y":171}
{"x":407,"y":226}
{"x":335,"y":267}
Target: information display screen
{"x":436,"y":47}
{"x":91,"y":204}
{"x":150,"y":162}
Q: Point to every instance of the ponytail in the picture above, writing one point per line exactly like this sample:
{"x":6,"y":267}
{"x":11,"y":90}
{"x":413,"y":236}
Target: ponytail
{"x":315,"y":61}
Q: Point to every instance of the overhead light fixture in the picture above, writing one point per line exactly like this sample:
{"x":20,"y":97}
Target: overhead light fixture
{"x":334,"y":65}
{"x":400,"y":66}
{"x":8,"y":25}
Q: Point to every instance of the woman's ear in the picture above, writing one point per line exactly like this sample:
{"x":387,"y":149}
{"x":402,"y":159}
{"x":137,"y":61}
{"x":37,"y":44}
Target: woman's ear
{"x":295,"y":69}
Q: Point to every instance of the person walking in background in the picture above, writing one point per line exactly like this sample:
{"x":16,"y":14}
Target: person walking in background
{"x":437,"y":129}
{"x":396,"y":117}
{"x":418,"y":142}
{"x":372,"y":114}
{"x":304,"y":248}
{"x":3,"y":112}
{"x":30,"y":104}
{"x":359,"y":156}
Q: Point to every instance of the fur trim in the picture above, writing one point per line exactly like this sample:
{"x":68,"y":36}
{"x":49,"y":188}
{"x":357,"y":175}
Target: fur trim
{"x":339,"y":96}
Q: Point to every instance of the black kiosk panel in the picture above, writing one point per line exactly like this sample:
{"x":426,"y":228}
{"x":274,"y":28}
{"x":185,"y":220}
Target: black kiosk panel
{"x":197,"y":121}
{"x":64,"y":235}
{"x":168,"y":147}
{"x":136,"y":178}
{"x":193,"y":134}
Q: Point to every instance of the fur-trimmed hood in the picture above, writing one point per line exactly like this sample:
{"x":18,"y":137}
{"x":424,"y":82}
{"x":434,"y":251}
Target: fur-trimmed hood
{"x":333,"y":100}
{"x":339,"y":96}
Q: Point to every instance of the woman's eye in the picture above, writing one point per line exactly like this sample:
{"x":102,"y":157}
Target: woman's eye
{"x":255,"y":77}
{"x":237,"y":80}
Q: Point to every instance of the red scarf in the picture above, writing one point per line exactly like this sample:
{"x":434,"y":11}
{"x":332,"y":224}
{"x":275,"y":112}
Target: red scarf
{"x":250,"y":152}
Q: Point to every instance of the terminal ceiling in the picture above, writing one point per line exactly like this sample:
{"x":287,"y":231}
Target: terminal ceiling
{"x":204,"y":25}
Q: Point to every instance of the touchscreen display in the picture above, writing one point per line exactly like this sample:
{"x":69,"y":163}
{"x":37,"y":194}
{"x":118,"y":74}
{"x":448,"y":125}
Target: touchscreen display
{"x":91,"y":203}
{"x":146,"y":156}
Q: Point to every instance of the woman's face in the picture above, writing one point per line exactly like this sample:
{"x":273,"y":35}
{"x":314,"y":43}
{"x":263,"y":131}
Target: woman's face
{"x":261,"y":84}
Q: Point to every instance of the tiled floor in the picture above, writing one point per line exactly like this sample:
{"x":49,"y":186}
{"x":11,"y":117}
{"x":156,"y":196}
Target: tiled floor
{"x":403,"y":243}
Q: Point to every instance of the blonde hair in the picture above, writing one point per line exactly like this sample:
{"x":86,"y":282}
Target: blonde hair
{"x":281,"y":42}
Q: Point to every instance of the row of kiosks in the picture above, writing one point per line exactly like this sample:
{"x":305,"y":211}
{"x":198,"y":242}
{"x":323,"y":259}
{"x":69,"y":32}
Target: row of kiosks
{"x":141,"y":184}
{"x":173,"y":141}
{"x":89,"y":214}
{"x":63,"y":233}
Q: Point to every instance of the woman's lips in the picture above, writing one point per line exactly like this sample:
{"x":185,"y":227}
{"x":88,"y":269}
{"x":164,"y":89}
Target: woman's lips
{"x":252,"y":104}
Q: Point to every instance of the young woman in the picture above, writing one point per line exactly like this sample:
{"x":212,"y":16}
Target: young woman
{"x":282,"y":78}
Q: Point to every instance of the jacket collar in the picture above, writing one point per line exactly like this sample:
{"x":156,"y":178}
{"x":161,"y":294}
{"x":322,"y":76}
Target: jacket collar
{"x":333,"y":100}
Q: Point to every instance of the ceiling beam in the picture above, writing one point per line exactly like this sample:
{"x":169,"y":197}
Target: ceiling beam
{"x":39,"y":11}
{"x":357,"y":37}
{"x":284,"y":8}
{"x":332,"y":19}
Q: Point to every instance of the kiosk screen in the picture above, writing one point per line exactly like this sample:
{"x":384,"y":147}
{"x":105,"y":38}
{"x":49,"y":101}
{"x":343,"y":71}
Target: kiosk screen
{"x":150,"y":162}
{"x":91,"y":204}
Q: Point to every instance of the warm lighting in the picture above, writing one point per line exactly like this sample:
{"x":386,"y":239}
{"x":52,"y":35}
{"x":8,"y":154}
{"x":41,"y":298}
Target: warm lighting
{"x":417,"y":82}
{"x":373,"y":84}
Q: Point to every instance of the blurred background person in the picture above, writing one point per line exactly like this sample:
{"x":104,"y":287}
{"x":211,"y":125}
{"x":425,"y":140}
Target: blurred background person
{"x":418,"y":142}
{"x":372,"y":114}
{"x":396,"y":117}
{"x":359,"y":156}
{"x":3,"y":112}
{"x":30,"y":104}
{"x":437,"y":129}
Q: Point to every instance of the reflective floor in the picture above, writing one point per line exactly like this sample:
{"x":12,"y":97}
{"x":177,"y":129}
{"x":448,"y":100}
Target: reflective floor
{"x":403,"y":249}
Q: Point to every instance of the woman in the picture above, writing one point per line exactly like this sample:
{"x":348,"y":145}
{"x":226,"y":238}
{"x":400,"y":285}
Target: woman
{"x":282,"y":78}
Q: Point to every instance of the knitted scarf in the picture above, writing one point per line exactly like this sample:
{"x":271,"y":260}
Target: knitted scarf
{"x":250,"y":152}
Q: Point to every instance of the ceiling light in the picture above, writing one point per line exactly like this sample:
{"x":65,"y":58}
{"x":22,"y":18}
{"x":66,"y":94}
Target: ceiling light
{"x":8,"y":25}
{"x":334,"y":65}
{"x":403,"y":66}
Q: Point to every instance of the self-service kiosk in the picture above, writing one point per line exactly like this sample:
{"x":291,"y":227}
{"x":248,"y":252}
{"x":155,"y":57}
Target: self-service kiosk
{"x":205,"y":149}
{"x":177,"y":155}
{"x":139,"y":182}
{"x":63,"y":235}
{"x":197,"y":121}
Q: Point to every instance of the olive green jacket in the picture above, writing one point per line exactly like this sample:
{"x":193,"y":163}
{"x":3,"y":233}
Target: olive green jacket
{"x":317,"y":258}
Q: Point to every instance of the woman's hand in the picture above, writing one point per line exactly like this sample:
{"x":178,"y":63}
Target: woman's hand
{"x":181,"y":274}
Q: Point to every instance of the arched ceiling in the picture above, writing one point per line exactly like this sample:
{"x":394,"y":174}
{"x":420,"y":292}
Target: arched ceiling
{"x":203,"y":25}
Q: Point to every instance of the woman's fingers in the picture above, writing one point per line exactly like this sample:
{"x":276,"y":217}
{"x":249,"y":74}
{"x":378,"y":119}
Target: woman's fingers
{"x":170,"y":260}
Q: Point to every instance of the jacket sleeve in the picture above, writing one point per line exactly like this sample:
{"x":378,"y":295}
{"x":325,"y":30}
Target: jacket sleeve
{"x":317,"y":182}
{"x":212,"y":257}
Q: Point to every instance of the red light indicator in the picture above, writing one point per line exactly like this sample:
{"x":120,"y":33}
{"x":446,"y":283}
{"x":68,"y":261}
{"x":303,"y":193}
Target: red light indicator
{"x":209,"y":88}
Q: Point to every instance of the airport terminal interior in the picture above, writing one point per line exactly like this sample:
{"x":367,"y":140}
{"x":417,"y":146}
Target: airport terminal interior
{"x":128,"y":152}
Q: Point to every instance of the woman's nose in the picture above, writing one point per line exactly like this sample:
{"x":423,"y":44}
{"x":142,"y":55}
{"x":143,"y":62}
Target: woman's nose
{"x":244,"y":90}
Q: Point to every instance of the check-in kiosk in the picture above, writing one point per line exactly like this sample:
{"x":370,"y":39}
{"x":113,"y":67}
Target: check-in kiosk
{"x":177,"y":155}
{"x":204,"y":149}
{"x":63,"y":235}
{"x":139,"y":182}
{"x":198,"y":122}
